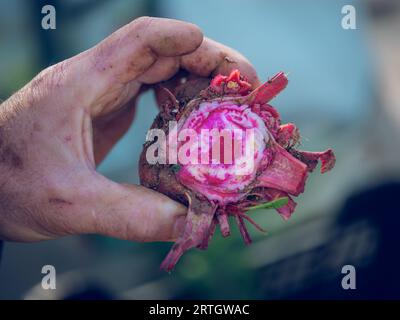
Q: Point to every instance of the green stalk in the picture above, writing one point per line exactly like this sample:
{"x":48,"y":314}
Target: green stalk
{"x":274,"y":204}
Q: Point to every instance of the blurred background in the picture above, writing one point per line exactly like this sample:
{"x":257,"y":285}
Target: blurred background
{"x":344,"y":93}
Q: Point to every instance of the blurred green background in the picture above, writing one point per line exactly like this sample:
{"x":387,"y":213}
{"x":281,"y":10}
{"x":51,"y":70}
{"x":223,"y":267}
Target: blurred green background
{"x":343,"y":93}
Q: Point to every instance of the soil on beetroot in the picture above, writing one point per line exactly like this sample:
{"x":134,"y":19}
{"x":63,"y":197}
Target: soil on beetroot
{"x":213,"y":192}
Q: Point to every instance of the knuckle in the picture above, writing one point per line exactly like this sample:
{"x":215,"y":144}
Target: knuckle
{"x":139,"y":27}
{"x":143,"y":21}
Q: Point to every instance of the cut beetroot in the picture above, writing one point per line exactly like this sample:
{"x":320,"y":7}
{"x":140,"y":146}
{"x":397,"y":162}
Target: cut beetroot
{"x":260,"y":162}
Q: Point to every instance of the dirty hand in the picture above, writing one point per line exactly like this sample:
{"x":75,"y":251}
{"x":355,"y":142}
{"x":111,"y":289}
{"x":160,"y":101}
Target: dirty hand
{"x":56,"y":129}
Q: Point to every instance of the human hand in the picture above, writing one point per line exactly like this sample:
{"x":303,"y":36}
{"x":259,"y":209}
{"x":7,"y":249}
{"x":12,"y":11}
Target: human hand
{"x":56,"y":129}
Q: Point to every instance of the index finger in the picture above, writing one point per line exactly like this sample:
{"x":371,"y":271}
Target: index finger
{"x":103,"y":76}
{"x":213,"y":58}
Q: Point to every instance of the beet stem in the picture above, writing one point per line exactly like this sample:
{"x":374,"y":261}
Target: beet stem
{"x":243,"y":230}
{"x":224,"y":224}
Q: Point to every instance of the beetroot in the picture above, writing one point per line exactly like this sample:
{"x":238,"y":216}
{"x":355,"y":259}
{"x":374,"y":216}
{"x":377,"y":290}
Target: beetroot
{"x":258,"y":165}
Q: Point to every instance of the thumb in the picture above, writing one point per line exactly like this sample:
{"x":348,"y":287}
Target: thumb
{"x":132,"y":212}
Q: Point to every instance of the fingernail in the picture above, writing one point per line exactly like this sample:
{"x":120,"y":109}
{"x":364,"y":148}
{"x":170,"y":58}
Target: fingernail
{"x":178,"y":227}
